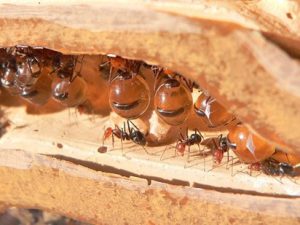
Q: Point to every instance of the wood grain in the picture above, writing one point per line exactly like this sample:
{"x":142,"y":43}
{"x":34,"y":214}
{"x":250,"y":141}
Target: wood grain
{"x":81,"y":193}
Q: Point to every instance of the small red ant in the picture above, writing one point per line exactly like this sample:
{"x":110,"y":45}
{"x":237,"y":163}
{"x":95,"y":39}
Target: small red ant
{"x":220,"y":149}
{"x":133,"y":134}
{"x":194,"y":139}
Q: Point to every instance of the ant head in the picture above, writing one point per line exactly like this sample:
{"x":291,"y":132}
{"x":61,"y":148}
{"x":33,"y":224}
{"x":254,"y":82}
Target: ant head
{"x":224,"y":143}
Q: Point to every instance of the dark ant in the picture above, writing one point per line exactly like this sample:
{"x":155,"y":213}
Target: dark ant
{"x":133,"y":134}
{"x":221,"y":148}
{"x":272,"y":167}
{"x":21,"y":72}
{"x":194,"y":139}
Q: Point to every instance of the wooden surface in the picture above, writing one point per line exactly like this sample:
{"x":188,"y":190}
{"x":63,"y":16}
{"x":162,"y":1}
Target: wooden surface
{"x":85,"y":194}
{"x":244,"y":60}
{"x":76,"y":138}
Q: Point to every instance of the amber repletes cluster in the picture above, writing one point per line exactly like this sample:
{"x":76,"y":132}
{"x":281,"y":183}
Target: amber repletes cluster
{"x":38,"y":74}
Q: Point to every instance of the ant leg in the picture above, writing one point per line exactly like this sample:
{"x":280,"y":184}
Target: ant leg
{"x":103,"y":137}
{"x":122,"y":142}
{"x":129,"y":128}
{"x":231,"y":166}
{"x":197,"y":131}
{"x":204,"y":161}
{"x":220,"y":138}
{"x":188,"y":157}
{"x":133,"y":124}
{"x":162,"y":154}
{"x":227,"y":155}
{"x":113,"y":140}
{"x":175,"y":149}
{"x":157,"y":74}
{"x":189,"y":152}
{"x":146,"y":150}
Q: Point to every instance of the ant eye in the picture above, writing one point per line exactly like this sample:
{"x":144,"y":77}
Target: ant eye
{"x":129,"y":95}
{"x":211,"y":112}
{"x":173,"y":102}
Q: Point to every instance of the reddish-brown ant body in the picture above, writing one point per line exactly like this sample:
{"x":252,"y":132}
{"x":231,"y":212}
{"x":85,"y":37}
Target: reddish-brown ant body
{"x":129,"y":94}
{"x":68,"y":88}
{"x":248,"y":147}
{"x":172,"y":99}
{"x":211,"y":112}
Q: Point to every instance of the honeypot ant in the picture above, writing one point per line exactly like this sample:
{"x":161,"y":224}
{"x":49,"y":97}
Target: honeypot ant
{"x":133,"y":134}
{"x":21,"y":72}
{"x":69,"y":87}
{"x":172,"y":99}
{"x":248,"y":147}
{"x":129,"y":94}
{"x":212,"y":112}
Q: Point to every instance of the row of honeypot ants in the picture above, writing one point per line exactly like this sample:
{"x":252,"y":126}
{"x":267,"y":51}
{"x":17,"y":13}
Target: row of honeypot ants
{"x":26,"y":70}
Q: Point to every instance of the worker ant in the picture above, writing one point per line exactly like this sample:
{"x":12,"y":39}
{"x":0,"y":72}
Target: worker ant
{"x":194,"y":139}
{"x":273,"y":167}
{"x":131,"y":132}
{"x":220,"y":148}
